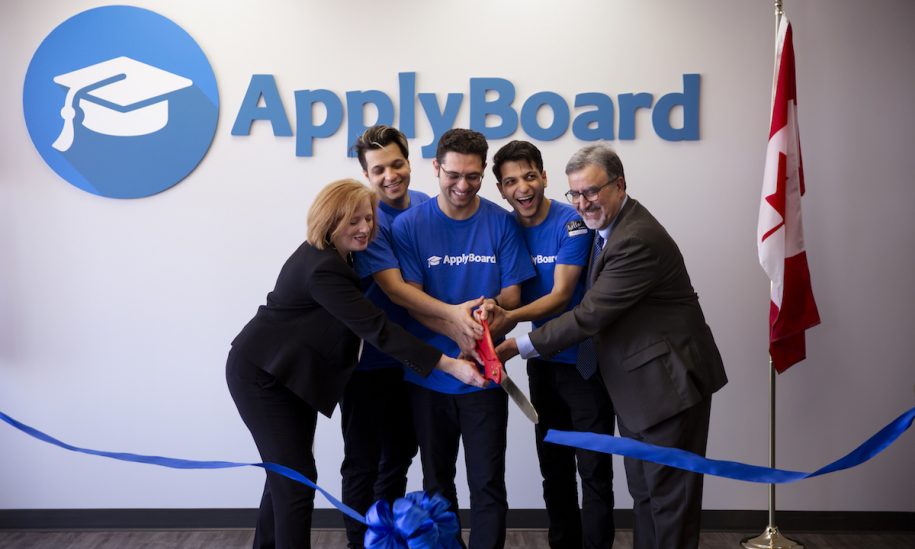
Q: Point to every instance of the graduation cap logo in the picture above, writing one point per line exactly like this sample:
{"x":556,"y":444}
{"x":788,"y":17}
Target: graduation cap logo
{"x":119,"y":97}
{"x":120,"y":102}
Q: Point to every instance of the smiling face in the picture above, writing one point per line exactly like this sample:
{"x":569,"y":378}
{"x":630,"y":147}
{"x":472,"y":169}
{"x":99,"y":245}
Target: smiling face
{"x":598,"y":213}
{"x":388,"y":172}
{"x":522,"y":186}
{"x":353,"y":233}
{"x":459,"y":179}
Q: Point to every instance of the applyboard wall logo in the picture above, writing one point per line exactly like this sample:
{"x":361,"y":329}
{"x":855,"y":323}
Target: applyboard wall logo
{"x":121,"y":102}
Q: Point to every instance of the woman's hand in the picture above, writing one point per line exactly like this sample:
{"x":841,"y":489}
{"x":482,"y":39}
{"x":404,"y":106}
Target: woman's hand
{"x":465,"y":372}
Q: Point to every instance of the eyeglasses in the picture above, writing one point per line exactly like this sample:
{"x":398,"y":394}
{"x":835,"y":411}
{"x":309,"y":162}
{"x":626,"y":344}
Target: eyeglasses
{"x":590,"y":194}
{"x":454,"y":177}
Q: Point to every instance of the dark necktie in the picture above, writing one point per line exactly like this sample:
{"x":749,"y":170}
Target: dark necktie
{"x":587,"y":355}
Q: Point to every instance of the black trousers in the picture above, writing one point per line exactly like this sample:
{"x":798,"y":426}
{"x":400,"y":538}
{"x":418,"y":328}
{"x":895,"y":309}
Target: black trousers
{"x":667,"y":502}
{"x":480,"y":420}
{"x":566,"y":401}
{"x":378,"y":442}
{"x":283,"y":427}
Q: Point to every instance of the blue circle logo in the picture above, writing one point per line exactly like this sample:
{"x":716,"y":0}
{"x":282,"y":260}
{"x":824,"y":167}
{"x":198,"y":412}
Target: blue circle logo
{"x":121,"y":102}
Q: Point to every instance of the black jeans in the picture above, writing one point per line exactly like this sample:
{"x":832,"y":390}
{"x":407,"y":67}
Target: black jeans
{"x":565,"y":401}
{"x":283,"y":427}
{"x":378,"y":441}
{"x":480,"y":420}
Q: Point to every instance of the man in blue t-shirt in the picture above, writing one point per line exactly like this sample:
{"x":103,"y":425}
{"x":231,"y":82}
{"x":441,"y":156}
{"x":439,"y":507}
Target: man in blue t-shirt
{"x":459,"y":247}
{"x":560,"y":245}
{"x":378,"y":450}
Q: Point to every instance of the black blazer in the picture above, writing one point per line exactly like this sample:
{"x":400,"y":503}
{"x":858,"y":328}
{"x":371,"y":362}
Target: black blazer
{"x":307,"y":335}
{"x":655,"y":352}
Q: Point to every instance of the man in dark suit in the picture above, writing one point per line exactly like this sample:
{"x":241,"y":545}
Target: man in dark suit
{"x":641,"y":325}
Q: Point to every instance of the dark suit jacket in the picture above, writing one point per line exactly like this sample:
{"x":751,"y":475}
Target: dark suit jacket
{"x":307,"y":335}
{"x":655,"y":352}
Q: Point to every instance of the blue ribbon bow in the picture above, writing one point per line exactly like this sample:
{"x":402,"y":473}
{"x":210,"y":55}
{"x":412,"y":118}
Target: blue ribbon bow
{"x":418,"y":521}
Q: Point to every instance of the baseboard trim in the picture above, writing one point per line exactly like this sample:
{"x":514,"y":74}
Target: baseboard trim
{"x":712,"y":520}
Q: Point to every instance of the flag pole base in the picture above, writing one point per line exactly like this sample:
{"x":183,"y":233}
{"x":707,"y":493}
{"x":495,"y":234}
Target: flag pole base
{"x":770,"y":539}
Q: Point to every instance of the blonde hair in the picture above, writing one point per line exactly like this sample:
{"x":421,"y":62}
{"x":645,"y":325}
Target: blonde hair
{"x":336,"y":202}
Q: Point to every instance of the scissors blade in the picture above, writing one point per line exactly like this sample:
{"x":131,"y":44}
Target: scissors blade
{"x":519,"y":397}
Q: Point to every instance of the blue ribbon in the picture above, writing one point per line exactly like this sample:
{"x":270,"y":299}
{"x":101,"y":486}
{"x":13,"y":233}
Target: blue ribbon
{"x":419,"y":521}
{"x":177,"y":463}
{"x":689,"y":461}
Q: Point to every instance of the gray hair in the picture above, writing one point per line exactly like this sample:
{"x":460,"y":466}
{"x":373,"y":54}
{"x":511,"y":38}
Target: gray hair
{"x":599,"y":155}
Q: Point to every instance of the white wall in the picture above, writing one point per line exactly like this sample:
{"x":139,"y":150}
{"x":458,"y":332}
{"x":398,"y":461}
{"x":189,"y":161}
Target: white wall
{"x":116,"y":315}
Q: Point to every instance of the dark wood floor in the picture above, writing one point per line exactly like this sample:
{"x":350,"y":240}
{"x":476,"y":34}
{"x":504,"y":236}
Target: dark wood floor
{"x":334,"y":539}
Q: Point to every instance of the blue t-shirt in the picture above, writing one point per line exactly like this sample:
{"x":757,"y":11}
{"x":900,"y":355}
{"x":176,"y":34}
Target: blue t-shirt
{"x":379,"y":256}
{"x":560,"y":239}
{"x":456,"y":261}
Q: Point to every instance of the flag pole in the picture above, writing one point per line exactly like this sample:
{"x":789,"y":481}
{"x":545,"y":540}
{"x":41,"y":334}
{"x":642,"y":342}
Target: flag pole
{"x":771,"y":538}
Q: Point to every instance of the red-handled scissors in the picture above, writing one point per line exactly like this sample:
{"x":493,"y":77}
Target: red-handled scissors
{"x":495,"y":372}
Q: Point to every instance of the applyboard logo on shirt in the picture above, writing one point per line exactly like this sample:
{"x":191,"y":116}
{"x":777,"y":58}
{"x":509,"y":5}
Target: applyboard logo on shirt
{"x":541,"y":259}
{"x":463,"y":259}
{"x":120,"y":102}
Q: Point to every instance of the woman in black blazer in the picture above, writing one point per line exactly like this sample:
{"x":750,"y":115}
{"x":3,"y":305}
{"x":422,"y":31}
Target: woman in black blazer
{"x":293,"y":359}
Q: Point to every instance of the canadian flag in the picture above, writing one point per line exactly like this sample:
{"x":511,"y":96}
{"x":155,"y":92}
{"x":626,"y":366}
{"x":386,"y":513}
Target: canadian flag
{"x":780,"y":235}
